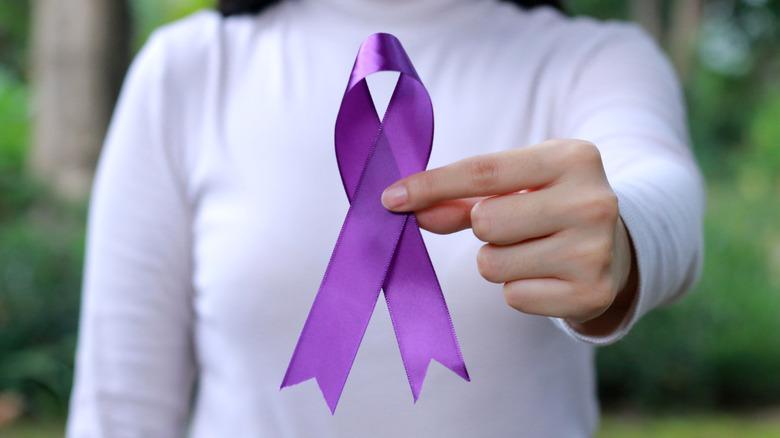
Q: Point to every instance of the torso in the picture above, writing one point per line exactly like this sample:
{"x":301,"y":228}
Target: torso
{"x":268,"y":204}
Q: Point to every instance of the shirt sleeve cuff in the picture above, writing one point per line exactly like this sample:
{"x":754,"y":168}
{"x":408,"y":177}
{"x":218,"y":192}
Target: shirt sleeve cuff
{"x":643,"y":302}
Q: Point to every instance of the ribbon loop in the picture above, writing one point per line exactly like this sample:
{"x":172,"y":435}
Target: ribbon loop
{"x":377,"y":249}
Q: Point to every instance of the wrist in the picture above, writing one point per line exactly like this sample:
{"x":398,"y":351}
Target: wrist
{"x":626,"y":280}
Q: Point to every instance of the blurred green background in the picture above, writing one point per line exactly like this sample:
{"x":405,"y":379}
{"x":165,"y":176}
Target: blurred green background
{"x":707,"y":366}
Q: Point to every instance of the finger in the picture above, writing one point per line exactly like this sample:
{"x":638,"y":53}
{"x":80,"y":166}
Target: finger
{"x":542,"y":296}
{"x":448,"y":216}
{"x":534,"y":259}
{"x":484,"y":175}
{"x":516,"y":217}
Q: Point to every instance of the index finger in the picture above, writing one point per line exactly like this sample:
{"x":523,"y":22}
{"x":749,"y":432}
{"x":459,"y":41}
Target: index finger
{"x":483,"y":175}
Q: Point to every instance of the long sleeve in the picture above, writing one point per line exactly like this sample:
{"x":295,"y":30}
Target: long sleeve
{"x":135,"y":366}
{"x":625,"y":98}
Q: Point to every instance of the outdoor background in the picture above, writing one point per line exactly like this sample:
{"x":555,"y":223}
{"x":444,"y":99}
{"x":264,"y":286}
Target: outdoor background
{"x":706,"y":367}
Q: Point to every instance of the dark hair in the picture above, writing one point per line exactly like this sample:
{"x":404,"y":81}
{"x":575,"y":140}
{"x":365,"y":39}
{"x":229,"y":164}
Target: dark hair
{"x":236,"y":7}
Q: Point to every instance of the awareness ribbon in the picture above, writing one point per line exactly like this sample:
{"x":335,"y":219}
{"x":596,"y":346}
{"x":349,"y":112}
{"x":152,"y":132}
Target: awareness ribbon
{"x":377,"y":249}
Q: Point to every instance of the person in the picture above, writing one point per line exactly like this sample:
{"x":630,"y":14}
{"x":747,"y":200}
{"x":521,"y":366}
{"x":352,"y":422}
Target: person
{"x":560,"y":142}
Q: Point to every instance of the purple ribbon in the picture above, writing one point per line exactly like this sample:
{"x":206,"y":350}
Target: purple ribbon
{"x":377,"y":249}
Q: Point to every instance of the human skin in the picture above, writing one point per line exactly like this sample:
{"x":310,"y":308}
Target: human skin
{"x":551,"y":226}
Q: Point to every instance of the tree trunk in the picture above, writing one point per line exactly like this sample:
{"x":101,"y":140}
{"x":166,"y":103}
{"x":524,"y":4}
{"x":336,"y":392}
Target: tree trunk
{"x":649,"y":14}
{"x":685,"y":23}
{"x":80,"y":50}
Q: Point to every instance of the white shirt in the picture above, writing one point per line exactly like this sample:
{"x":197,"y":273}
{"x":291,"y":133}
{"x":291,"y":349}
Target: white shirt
{"x":218,"y":200}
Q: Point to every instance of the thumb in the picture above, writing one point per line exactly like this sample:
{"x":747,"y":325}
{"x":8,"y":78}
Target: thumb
{"x":447,"y":216}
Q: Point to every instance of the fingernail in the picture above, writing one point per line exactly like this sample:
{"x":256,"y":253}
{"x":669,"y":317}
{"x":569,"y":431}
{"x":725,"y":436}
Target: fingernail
{"x":394,"y":196}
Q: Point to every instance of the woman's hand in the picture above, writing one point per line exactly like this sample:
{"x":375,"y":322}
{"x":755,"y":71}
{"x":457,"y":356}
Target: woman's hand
{"x":550,"y":222}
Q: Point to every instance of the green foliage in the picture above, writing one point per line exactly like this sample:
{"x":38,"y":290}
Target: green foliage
{"x":14,"y":23}
{"x":13,"y":113}
{"x":602,"y":9}
{"x":718,"y":346}
{"x":41,"y":237}
{"x":40,"y":256}
{"x":682,"y":426}
{"x":150,"y":14}
{"x":40,"y":267}
{"x":50,"y":428}
{"x":763,"y":154}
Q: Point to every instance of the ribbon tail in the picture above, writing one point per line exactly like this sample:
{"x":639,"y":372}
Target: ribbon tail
{"x":419,"y":313}
{"x":350,"y":287}
{"x":331,"y":390}
{"x":330,"y":339}
{"x":327,"y":346}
